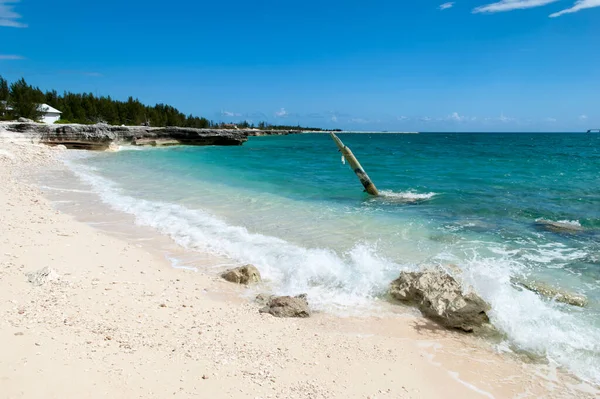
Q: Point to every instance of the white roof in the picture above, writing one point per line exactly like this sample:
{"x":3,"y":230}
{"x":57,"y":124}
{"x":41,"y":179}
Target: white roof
{"x":48,"y":109}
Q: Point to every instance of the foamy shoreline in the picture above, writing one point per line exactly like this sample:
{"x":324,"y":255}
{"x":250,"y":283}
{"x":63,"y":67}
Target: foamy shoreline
{"x":121,"y":322}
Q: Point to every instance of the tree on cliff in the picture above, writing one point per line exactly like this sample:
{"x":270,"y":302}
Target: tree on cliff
{"x":24,"y":100}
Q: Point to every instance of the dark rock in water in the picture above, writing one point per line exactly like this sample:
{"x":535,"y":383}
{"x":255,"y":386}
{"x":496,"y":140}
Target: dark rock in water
{"x":287,"y":306}
{"x":243,"y":275}
{"x":560,"y":226}
{"x":440,"y":297}
{"x":554,"y":293}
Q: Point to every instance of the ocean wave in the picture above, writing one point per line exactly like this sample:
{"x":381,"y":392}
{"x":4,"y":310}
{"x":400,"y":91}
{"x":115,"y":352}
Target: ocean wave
{"x":531,"y":323}
{"x":334,"y":281}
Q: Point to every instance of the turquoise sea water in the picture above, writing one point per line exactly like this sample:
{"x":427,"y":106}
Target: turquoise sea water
{"x":475,"y":201}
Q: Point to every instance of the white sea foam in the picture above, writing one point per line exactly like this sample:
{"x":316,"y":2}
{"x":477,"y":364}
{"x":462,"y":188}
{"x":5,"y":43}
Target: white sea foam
{"x":543,"y":327}
{"x":333,"y":281}
{"x":406,"y":195}
{"x":349,"y":281}
{"x":129,"y":148}
{"x":560,"y":223}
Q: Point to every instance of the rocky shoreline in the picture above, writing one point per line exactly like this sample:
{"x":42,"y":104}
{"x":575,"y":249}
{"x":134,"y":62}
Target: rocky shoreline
{"x":100,"y":137}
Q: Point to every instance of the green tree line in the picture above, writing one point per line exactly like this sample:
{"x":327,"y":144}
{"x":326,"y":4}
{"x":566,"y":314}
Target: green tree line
{"x":19,"y":99}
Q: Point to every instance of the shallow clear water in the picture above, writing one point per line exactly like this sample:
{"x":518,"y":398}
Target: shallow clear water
{"x":289,"y":206}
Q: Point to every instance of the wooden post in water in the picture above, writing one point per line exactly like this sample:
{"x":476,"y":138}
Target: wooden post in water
{"x":355,"y":165}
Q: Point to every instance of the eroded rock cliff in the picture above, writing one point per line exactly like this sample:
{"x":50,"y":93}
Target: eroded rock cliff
{"x":101,"y":136}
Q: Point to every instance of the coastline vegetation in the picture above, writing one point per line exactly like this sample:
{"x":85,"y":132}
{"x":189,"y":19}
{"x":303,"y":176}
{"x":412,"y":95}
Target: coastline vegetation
{"x":19,"y":99}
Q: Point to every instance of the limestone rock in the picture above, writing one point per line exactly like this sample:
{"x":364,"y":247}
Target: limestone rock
{"x":243,"y":275}
{"x":155,"y":142}
{"x":100,"y":136}
{"x":25,"y":120}
{"x":263,"y":299}
{"x":42,"y":276}
{"x":554,"y":293}
{"x":287,"y":306}
{"x":440,"y":297}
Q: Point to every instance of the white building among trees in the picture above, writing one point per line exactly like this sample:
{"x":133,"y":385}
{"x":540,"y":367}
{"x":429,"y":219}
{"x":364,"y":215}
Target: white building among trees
{"x":49,"y":114}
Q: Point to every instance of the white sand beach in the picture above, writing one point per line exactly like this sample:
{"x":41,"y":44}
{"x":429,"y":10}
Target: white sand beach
{"x":116,"y":320}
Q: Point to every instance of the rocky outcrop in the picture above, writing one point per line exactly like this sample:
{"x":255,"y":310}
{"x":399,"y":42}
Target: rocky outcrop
{"x":440,"y":297}
{"x":243,"y":275}
{"x":556,"y":294}
{"x":101,"y":136}
{"x":286,"y":306}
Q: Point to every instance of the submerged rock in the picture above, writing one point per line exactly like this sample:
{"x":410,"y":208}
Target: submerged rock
{"x":287,"y":306}
{"x":42,"y":276}
{"x":562,"y":226}
{"x":440,"y":297}
{"x":243,"y":275}
{"x":555,"y":293}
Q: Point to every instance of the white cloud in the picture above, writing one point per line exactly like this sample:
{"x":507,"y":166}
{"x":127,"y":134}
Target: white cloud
{"x":8,"y":17}
{"x":425,"y":119}
{"x":579,"y":5}
{"x":502,"y":118}
{"x":583,"y":117}
{"x":11,"y":57}
{"x":446,"y":6}
{"x":456,"y":117}
{"x":334,"y":118}
{"x":509,"y":5}
{"x":358,"y":120}
{"x":229,"y":114}
{"x":282,"y":113}
{"x":402,"y":118}
{"x":550,"y":120}
{"x":505,"y":119}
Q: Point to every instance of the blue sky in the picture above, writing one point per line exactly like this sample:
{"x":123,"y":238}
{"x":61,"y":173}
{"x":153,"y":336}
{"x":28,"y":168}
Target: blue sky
{"x":471,"y":65}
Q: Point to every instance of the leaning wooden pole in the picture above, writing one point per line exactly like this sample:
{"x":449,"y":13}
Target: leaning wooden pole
{"x":355,"y":165}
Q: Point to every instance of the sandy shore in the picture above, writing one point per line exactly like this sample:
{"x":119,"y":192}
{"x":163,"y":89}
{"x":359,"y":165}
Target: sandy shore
{"x":118,"y":321}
